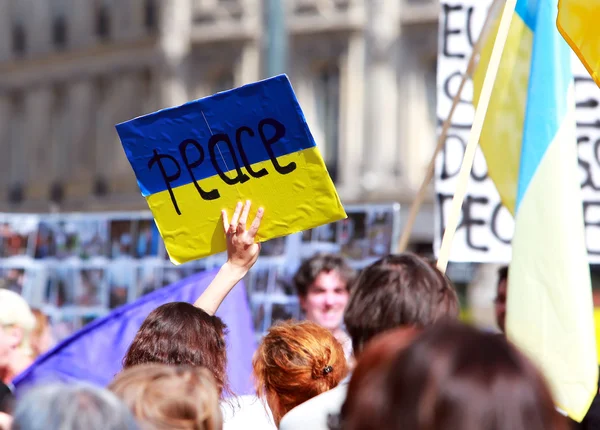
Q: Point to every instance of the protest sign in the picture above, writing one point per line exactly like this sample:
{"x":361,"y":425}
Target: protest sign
{"x":486,"y":227}
{"x":253,"y":143}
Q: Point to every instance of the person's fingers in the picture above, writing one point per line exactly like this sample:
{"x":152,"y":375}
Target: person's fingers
{"x":244,"y":217}
{"x":236,"y":215}
{"x":256,"y":223}
{"x":225,"y":220}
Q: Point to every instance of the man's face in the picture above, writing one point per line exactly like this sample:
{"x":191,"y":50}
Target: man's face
{"x":500,"y":303}
{"x":326,"y":300}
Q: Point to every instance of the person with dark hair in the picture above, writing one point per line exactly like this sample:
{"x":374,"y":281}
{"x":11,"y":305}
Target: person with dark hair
{"x":180,"y":334}
{"x":456,"y":377}
{"x":322,"y":283}
{"x":500,"y":300}
{"x":396,"y":291}
{"x":295,"y":362}
{"x":365,"y":390}
{"x":184,"y":334}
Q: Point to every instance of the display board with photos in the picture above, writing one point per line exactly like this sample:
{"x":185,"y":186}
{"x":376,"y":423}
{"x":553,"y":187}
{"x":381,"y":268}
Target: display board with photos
{"x":78,"y":267}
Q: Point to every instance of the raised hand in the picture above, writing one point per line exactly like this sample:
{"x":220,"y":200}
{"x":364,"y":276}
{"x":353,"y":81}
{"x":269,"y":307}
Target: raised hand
{"x":242,"y":253}
{"x":242,"y":249}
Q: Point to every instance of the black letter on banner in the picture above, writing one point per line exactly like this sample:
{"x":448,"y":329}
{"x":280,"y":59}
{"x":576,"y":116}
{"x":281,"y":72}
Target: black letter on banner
{"x":494,"y":223}
{"x":587,"y":224}
{"x":441,"y":200}
{"x":588,"y":181}
{"x":210,"y":195}
{"x":448,"y":32}
{"x":470,"y":26}
{"x":449,"y":78}
{"x":445,"y":174}
{"x":238,"y":141}
{"x":212,"y":143}
{"x":167,"y":178}
{"x":279,"y":133}
{"x":467,"y":221}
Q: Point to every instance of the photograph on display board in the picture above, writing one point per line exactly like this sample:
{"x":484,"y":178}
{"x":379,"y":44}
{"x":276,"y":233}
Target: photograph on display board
{"x":17,"y":236}
{"x":172,"y":275}
{"x":61,"y":287}
{"x":57,"y":238}
{"x":65,"y":325}
{"x":258,"y":280}
{"x":91,"y":290}
{"x":274,"y":247}
{"x":93,"y":238}
{"x":148,"y":279}
{"x":326,"y":233}
{"x":281,"y":284}
{"x":122,"y":285}
{"x":381,"y":232}
{"x":284,"y":311}
{"x":259,"y":311}
{"x":147,"y":239}
{"x":353,"y":236}
{"x":121,"y":238}
{"x":13,"y":279}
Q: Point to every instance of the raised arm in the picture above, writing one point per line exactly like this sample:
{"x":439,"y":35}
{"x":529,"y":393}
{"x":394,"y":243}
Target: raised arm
{"x":242,"y":253}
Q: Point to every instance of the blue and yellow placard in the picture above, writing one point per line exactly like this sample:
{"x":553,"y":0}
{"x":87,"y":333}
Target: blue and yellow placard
{"x":250,"y":143}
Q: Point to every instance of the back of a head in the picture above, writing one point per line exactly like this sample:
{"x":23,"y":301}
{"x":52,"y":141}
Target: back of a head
{"x":398,"y":290}
{"x":455,"y":377}
{"x":179,"y":333}
{"x":14,"y":311}
{"x":72,"y":407}
{"x":295,"y":362}
{"x":165,"y":397}
{"x":366,"y":395}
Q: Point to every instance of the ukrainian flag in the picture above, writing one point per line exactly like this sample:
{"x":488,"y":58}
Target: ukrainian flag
{"x":578,"y":23}
{"x":249,"y":143}
{"x":530,"y":147}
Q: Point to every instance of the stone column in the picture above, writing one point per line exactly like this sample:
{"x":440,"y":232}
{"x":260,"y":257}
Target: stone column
{"x":82,"y":23}
{"x":5,"y":142}
{"x":36,"y":141}
{"x":352,"y":117}
{"x":81,"y":111}
{"x":175,"y":39}
{"x":5,"y":31}
{"x":38,"y":28}
{"x":381,"y":137}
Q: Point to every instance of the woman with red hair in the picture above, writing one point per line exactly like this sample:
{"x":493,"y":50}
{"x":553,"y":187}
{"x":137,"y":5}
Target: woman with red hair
{"x":295,"y":362}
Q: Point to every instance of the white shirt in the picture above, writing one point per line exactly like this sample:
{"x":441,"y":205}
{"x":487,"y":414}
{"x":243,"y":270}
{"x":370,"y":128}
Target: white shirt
{"x":246,"y":412}
{"x":314,"y":413}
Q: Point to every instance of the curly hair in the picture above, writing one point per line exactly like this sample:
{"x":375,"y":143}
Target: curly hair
{"x":179,"y":333}
{"x":317,"y":264}
{"x":164,"y":397}
{"x":295,"y":362}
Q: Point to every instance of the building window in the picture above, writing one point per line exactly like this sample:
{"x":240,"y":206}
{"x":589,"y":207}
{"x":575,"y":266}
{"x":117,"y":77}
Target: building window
{"x":327,"y":99}
{"x":150,"y":15}
{"x":19,"y":39}
{"x":102,"y":16}
{"x":59,"y":31}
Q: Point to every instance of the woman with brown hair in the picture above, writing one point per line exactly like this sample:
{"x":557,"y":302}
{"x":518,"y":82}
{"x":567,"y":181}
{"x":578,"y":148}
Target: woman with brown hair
{"x":456,"y":377}
{"x":170,"y":397}
{"x":183,"y":334}
{"x":180,"y":334}
{"x":295,"y":362}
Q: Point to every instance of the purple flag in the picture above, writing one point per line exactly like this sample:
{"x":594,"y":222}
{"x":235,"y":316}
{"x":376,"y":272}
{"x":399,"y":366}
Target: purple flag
{"x":94,"y":354}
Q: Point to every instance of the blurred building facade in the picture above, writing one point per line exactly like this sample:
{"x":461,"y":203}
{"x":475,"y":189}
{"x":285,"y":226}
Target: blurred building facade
{"x":363,"y":70}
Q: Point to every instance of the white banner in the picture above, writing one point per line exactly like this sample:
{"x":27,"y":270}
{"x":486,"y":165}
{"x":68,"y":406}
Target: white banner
{"x":486,"y":227}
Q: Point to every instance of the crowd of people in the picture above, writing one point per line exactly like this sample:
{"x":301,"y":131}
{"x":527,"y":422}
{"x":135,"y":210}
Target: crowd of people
{"x":381,"y":349}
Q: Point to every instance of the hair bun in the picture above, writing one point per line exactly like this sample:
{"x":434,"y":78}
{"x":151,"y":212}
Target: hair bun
{"x":327,"y":370}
